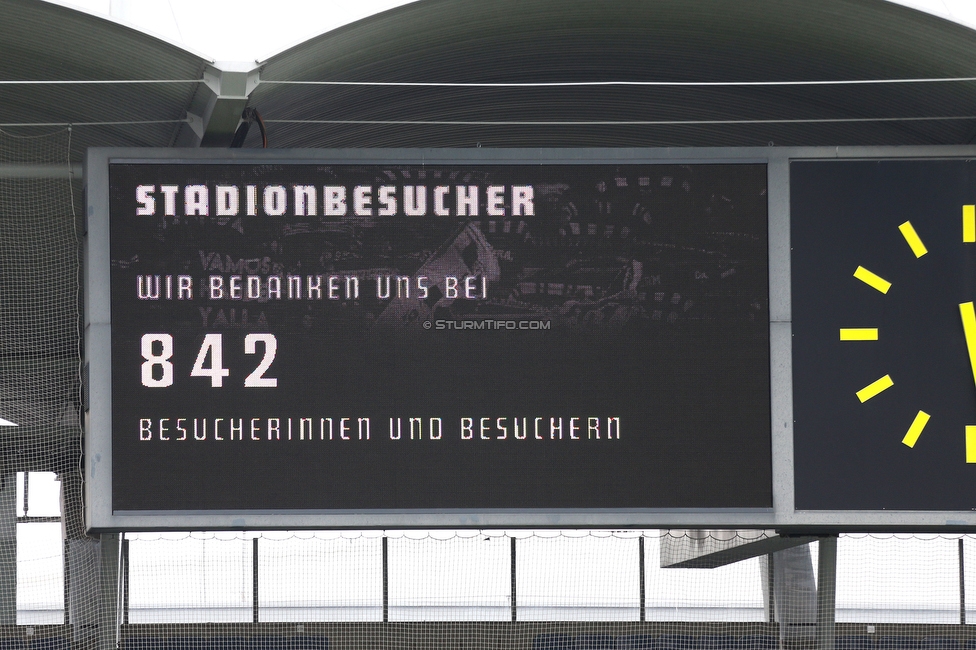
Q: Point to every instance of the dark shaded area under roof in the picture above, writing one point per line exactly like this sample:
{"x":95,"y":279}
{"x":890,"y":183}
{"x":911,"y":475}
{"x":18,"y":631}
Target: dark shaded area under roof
{"x":41,"y":41}
{"x":524,"y":41}
{"x":629,"y":40}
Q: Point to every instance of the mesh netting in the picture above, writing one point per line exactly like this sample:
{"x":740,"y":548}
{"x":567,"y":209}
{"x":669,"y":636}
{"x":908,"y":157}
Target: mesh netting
{"x":39,"y":380}
{"x":504,"y":590}
{"x":458,"y":588}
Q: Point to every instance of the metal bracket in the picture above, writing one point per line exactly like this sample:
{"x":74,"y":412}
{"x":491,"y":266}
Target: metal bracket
{"x":215,"y":112}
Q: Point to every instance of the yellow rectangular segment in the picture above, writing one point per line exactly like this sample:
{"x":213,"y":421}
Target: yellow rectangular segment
{"x":859,"y":334}
{"x":914,"y":431}
{"x":914,"y":241}
{"x":875,"y":387}
{"x":969,"y":223}
{"x":872,"y":280}
{"x":968,"y":315}
{"x":970,"y":444}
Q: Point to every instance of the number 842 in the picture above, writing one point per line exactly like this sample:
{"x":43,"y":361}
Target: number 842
{"x":158,"y":349}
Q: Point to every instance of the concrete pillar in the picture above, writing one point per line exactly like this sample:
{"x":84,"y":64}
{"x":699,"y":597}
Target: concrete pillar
{"x":794,"y":593}
{"x":82,"y":559}
{"x":767,"y":572}
{"x":8,"y":549}
{"x":826,"y":592}
{"x":108,"y":591}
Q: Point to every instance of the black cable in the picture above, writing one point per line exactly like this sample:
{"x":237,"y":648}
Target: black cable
{"x":264,"y":131}
{"x":248,"y":117}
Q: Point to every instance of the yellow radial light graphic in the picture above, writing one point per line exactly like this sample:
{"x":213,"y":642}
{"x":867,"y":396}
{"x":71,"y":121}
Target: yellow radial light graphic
{"x":967,"y":311}
{"x":875,"y":388}
{"x":914,"y":241}
{"x":914,"y":431}
{"x":872,"y":280}
{"x":859,"y":334}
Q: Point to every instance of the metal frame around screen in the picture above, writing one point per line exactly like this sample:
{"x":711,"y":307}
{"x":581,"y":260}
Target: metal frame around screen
{"x":782,"y":516}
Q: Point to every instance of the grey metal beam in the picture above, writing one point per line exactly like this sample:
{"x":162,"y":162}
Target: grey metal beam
{"x":962,"y":583}
{"x":27,"y":170}
{"x":255,"y":585}
{"x":708,"y":549}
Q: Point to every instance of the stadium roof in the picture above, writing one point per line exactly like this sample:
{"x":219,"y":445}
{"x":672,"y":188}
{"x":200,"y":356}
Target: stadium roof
{"x":486,"y":72}
{"x":175,"y":97}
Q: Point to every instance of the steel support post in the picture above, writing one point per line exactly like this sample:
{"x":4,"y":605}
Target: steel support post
{"x":826,"y":592}
{"x":108,"y":591}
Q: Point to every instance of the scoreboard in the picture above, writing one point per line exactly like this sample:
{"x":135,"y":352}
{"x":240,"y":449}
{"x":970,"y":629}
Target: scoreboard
{"x":308,"y":339}
{"x":295,"y":336}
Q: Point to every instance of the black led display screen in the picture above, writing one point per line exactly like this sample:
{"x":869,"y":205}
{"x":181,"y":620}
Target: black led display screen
{"x":303,"y":337}
{"x":884,"y":334}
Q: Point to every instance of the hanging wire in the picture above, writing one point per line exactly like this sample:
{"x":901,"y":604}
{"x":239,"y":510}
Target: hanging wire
{"x":622,"y":122}
{"x":502,"y":84}
{"x":569,"y":84}
{"x":69,"y":125}
{"x":828,"y":120}
{"x":93,"y":82}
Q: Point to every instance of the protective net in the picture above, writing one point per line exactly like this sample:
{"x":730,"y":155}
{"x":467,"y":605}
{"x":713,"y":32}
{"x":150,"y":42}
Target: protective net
{"x":40,"y":432}
{"x":477,"y":589}
{"x":569,"y":589}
